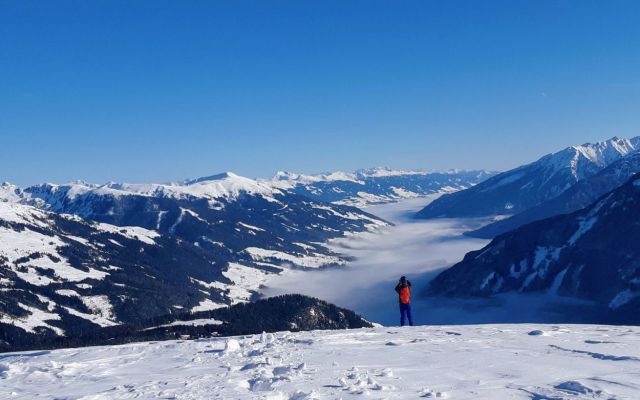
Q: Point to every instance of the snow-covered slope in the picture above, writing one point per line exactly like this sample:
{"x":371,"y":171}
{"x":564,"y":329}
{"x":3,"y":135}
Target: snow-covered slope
{"x":60,"y":275}
{"x":194,"y":246}
{"x":236,"y":219}
{"x":576,"y":197}
{"x":217,"y":189}
{"x":376,"y":185}
{"x":486,"y":362}
{"x":527,"y":186}
{"x":592,"y":254}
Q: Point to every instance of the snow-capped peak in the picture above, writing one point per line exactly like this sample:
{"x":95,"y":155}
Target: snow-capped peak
{"x":222,"y":185}
{"x":285,"y":179}
{"x":9,"y":193}
{"x":225,"y":185}
{"x":605,"y":152}
{"x":357,"y":176}
{"x":599,"y":154}
{"x":216,"y":177}
{"x":377,"y":172}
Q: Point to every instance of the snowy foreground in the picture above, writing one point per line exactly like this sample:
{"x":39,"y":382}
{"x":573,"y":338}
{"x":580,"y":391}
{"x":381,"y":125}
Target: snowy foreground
{"x":456,"y":362}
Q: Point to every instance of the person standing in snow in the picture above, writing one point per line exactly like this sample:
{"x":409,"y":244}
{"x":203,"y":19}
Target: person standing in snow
{"x":403,"y":288}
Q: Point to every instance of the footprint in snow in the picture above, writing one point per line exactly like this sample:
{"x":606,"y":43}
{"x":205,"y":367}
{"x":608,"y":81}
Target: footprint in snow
{"x":598,"y":341}
{"x":276,"y":396}
{"x":285,"y":370}
{"x":362,"y":382}
{"x":433,"y":394}
{"x":384,"y":373}
{"x":252,"y":366}
{"x":255,"y":353}
{"x":303,"y":341}
{"x":260,"y":384}
{"x":575,"y":387}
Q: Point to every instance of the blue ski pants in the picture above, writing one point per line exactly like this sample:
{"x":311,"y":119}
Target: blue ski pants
{"x":405,"y":311}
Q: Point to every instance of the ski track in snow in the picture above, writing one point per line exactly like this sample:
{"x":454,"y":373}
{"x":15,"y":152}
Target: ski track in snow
{"x":456,"y":362}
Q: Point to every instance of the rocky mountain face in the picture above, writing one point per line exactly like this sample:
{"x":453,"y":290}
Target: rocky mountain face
{"x":576,"y":197}
{"x":528,"y":186}
{"x":591,"y":254}
{"x":377,"y":185}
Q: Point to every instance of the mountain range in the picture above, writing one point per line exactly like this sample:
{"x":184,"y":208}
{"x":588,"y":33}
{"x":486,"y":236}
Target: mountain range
{"x":80,"y":257}
{"x":578,"y":196}
{"x":591,"y":254}
{"x":525,"y":187}
{"x":372,"y":186}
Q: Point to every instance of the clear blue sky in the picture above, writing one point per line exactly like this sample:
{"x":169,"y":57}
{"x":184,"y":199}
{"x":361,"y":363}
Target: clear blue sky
{"x":166,"y":90}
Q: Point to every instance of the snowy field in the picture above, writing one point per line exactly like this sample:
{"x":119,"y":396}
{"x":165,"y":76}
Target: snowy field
{"x":456,"y":362}
{"x":418,"y":249}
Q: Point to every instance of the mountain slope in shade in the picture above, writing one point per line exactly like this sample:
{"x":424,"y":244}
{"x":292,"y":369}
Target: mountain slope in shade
{"x":592,"y":254}
{"x":60,"y":275}
{"x":376,"y":185}
{"x":527,"y":186}
{"x":289,"y":312}
{"x":576,"y":197}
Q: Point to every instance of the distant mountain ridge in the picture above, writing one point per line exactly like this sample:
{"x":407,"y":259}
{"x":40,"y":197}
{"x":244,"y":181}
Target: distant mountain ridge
{"x":591,"y":254}
{"x":576,"y":197}
{"x":527,"y":186}
{"x":367,"y":187}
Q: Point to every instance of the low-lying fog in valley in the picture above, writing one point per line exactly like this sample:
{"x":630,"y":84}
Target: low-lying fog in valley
{"x":418,"y":249}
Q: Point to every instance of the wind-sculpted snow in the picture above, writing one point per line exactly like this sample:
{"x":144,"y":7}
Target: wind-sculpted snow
{"x":456,"y":362}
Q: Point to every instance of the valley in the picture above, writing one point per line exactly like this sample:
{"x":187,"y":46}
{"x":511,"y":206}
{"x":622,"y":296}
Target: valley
{"x":416,"y":248}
